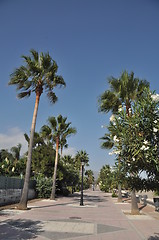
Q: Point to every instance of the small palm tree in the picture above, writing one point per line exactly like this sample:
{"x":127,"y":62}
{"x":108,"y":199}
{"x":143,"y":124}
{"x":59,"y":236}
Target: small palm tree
{"x":16,"y":151}
{"x":36,"y":75}
{"x":57,"y":131}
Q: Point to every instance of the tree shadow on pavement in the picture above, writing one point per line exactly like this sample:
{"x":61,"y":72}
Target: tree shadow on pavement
{"x":92,"y":198}
{"x":154,"y":237}
{"x":20,"y":229}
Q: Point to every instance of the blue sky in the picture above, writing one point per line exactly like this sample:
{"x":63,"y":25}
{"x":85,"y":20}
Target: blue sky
{"x":90,"y":40}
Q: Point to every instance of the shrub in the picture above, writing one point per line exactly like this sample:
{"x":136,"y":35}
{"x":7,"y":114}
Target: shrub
{"x":43,"y":186}
{"x":114,"y":195}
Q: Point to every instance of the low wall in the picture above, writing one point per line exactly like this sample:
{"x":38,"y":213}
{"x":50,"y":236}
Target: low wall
{"x":11,"y":196}
{"x":11,"y":190}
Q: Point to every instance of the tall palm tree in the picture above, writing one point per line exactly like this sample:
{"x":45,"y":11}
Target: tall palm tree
{"x":37,"y":74}
{"x":57,"y":130}
{"x":123,"y":91}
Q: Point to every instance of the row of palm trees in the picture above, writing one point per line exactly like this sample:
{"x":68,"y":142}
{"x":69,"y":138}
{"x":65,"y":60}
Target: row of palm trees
{"x":38,"y":74}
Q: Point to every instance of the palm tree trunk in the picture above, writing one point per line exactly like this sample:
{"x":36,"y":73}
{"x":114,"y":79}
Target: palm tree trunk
{"x":24,"y":198}
{"x":134,"y":205}
{"x":52,"y":197}
{"x":119,"y":193}
{"x":119,"y":185}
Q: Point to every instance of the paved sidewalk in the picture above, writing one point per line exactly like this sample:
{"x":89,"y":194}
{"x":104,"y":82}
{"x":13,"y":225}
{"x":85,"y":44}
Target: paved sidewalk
{"x":101,"y":217}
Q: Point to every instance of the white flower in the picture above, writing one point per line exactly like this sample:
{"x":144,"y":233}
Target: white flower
{"x":119,"y":118}
{"x":6,"y":159}
{"x":111,"y":153}
{"x":129,"y":110}
{"x":128,"y":164}
{"x":155,"y":121}
{"x":145,"y":142}
{"x":120,"y":109}
{"x":155,"y":97}
{"x":117,"y":152}
{"x":114,"y":152}
{"x":13,"y":168}
{"x":115,"y":139}
{"x":3,"y":166}
{"x":133,"y":159}
{"x":155,"y":129}
{"x":112,"y":118}
{"x":144,"y":148}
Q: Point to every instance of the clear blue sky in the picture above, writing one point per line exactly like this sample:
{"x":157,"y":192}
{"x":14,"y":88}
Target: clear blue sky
{"x":90,"y":40}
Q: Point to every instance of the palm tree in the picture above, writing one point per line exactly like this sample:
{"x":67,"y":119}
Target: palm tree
{"x":16,"y":151}
{"x":57,"y":131}
{"x":90,"y":177}
{"x":123,"y":91}
{"x":63,"y":141}
{"x":37,"y":74}
{"x":81,"y":156}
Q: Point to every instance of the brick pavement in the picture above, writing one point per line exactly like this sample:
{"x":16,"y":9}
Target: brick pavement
{"x":101,"y":217}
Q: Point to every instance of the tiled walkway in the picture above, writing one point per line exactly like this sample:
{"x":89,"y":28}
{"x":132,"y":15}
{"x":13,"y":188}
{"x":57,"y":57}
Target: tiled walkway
{"x":101,"y":217}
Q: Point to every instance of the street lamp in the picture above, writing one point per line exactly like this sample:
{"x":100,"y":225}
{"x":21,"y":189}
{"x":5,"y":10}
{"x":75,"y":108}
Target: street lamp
{"x":81,"y":200}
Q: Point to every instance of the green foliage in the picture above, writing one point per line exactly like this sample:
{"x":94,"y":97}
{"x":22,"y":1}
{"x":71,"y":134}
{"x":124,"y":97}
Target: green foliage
{"x":123,"y":90}
{"x":10,"y":162}
{"x":136,"y":136}
{"x":89,"y":177}
{"x":105,"y":178}
{"x":43,"y":157}
{"x":81,"y":156}
{"x":114,"y":195}
{"x":39,"y":71}
{"x":70,"y":172}
{"x":43,"y":186}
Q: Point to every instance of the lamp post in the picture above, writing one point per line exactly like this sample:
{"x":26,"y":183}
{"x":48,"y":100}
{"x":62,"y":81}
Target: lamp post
{"x":81,"y":200}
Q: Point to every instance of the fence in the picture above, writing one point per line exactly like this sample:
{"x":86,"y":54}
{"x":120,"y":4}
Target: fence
{"x":14,"y":183}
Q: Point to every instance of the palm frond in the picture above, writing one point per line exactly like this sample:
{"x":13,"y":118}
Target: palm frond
{"x":35,"y":54}
{"x":26,"y":137}
{"x":23,"y":94}
{"x":45,"y":132}
{"x":38,"y":70}
{"x":108,"y":101}
{"x":52,"y":123}
{"x":107,"y":143}
{"x":52,"y":97}
{"x":58,"y":81}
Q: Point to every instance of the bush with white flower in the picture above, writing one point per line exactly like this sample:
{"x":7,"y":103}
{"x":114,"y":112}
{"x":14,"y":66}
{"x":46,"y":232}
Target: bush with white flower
{"x":136,"y":141}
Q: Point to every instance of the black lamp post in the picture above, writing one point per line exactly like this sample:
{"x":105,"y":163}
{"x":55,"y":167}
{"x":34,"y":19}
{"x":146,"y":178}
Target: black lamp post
{"x":81,"y":200}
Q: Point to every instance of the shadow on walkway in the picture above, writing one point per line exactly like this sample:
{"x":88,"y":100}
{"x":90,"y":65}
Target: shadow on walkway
{"x":19,"y":229}
{"x":154,"y":237}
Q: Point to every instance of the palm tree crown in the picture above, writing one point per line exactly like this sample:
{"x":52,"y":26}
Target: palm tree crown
{"x":38,"y":73}
{"x":123,"y":90}
{"x":81,"y":156}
